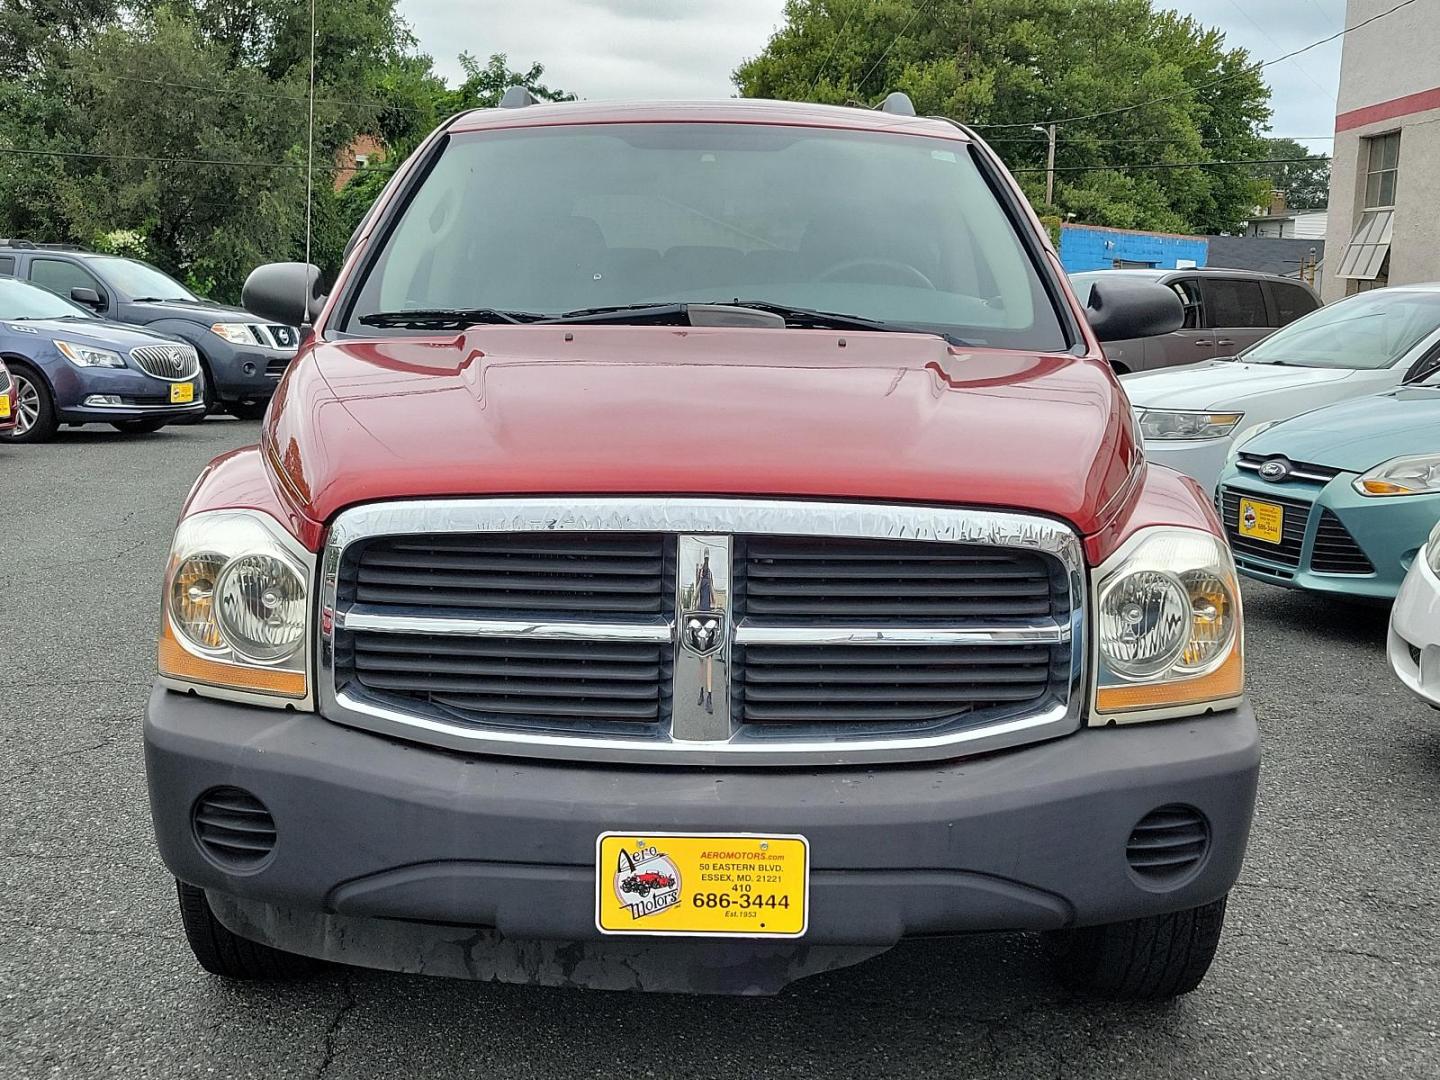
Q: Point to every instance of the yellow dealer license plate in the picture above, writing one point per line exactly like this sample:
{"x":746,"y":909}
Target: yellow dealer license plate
{"x":5,"y":407}
{"x":702,"y":885}
{"x":1262,"y":521}
{"x":182,"y":393}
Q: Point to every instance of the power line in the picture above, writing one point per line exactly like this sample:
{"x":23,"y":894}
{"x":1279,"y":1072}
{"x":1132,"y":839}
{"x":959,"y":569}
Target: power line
{"x":26,"y":152}
{"x":264,"y":94}
{"x":919,"y":8}
{"x":1204,"y":86}
{"x":833,"y":46}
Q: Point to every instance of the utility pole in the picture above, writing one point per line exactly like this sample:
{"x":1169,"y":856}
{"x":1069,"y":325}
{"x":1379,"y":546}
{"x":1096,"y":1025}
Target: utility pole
{"x":1049,"y":133}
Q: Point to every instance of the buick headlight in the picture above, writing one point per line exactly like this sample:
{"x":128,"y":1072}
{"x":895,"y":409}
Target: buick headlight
{"x":1160,"y":424}
{"x":237,"y":606}
{"x":1168,"y":625}
{"x":234,"y":332}
{"x":1402,"y":476}
{"x":89,"y":356}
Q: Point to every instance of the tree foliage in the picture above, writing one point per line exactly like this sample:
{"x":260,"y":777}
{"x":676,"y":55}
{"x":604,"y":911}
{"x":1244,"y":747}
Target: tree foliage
{"x":1306,"y":184}
{"x":1003,"y":65}
{"x":182,"y":125}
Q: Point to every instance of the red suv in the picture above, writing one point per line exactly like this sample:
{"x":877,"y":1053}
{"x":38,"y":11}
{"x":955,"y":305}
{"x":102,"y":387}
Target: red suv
{"x":732,"y":487}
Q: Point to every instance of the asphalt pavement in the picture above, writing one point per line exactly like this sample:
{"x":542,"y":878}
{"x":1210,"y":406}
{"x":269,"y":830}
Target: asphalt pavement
{"x":1330,"y":967}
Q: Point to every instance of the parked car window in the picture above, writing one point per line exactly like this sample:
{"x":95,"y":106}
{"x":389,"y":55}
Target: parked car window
{"x":1365,"y":332}
{"x":1188,"y":289}
{"x":1234,"y":302}
{"x":714,"y":212}
{"x":7,"y":265}
{"x":1292,"y":302}
{"x":141,"y":281}
{"x":61,"y":275}
{"x":21,"y":300}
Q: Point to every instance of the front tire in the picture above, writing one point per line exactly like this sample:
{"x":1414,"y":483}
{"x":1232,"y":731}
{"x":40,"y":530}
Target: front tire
{"x":1150,"y":959}
{"x":228,"y":955}
{"x":35,"y":408}
{"x":138,"y":427}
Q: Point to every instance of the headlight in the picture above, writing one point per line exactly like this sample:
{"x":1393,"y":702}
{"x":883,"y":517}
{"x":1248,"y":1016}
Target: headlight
{"x":234,"y":332}
{"x":1402,"y":476}
{"x":237,"y":606}
{"x":87,"y":356}
{"x":1158,"y":424}
{"x":1168,"y":626}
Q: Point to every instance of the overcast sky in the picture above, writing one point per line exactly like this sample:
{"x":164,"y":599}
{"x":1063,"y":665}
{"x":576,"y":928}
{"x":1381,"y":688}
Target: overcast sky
{"x":688,"y":48}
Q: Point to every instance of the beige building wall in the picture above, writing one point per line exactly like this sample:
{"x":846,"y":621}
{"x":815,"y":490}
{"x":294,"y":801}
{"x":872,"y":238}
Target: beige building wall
{"x":1389,"y":81}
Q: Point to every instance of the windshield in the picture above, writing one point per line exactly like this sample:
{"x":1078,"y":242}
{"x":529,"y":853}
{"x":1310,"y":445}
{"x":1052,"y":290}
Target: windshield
{"x":140,"y":281}
{"x":1366,"y":332}
{"x":21,"y":300}
{"x":899,"y":229}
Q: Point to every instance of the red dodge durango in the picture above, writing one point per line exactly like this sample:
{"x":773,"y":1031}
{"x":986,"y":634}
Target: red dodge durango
{"x":728,"y":497}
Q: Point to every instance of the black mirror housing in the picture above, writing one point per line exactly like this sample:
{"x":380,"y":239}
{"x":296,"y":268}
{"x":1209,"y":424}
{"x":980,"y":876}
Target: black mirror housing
{"x":1128,"y":307}
{"x":287,"y":292}
{"x":88,"y":297}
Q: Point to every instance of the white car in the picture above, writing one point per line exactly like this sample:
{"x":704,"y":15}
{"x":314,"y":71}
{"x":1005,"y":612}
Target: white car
{"x":1414,"y":645}
{"x":1192,"y":417}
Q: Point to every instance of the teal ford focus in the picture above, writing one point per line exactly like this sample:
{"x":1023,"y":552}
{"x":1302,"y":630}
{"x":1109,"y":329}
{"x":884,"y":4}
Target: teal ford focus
{"x":1338,"y":500}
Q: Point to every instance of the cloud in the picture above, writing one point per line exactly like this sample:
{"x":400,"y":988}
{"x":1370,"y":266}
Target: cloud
{"x":688,"y":48}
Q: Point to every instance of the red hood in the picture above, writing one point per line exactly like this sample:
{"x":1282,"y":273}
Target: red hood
{"x":660,"y":410}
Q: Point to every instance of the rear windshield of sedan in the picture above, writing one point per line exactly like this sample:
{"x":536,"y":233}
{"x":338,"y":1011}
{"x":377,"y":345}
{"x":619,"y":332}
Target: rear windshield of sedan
{"x":896,"y":228}
{"x":1366,"y":332}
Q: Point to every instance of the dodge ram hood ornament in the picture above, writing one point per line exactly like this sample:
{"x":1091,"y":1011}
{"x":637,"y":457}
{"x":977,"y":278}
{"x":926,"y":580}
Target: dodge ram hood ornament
{"x":702,"y":632}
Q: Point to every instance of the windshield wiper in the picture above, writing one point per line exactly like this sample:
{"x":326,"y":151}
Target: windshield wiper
{"x":838,"y":320}
{"x":445,"y":318}
{"x":679,"y":314}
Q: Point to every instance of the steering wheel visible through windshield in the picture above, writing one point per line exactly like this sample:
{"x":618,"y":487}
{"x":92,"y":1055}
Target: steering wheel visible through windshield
{"x":1366,"y":332}
{"x":898,"y":229}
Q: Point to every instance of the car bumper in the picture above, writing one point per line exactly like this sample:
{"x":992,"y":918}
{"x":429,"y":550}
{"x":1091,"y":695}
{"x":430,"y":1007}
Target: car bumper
{"x":1414,"y":641}
{"x":1202,"y":461}
{"x":139,"y":395}
{"x":378,"y":842}
{"x":1387,"y":532}
{"x":245,"y":372}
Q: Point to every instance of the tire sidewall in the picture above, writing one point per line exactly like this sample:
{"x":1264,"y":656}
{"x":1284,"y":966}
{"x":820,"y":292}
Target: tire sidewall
{"x":47,"y":422}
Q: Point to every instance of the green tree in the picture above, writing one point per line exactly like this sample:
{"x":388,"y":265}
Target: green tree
{"x":1306,"y":184}
{"x":1165,"y":87}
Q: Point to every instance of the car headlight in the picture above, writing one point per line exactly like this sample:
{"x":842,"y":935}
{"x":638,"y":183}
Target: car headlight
{"x":234,"y":332}
{"x":1168,"y":626}
{"x":1160,"y":424}
{"x":1402,"y":476}
{"x":88,"y":356}
{"x":237,"y":606}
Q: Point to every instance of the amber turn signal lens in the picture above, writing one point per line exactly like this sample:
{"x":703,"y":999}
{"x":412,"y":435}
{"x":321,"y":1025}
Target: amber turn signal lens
{"x":1226,"y":681}
{"x":177,"y":663}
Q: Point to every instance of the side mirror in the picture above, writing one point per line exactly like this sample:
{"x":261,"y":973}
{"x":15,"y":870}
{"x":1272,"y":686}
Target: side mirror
{"x":287,"y":293}
{"x":1126,"y":307}
{"x":88,"y":297}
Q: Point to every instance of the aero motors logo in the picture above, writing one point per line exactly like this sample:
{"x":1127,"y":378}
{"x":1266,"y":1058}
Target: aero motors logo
{"x":646,"y":880}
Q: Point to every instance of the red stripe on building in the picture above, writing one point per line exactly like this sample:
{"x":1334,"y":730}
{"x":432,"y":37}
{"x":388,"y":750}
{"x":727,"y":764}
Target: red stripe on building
{"x":1389,"y":110}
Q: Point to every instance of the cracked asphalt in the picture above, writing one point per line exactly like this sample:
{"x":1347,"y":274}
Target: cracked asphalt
{"x":1330,"y":966}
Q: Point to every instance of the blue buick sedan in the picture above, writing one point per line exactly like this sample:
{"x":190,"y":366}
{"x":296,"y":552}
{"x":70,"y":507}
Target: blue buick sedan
{"x":69,"y":367}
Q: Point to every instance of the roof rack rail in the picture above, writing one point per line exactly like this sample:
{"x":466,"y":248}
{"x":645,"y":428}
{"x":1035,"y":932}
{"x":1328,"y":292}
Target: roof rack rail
{"x":31,"y":245}
{"x":518,"y":97}
{"x":898,"y":103}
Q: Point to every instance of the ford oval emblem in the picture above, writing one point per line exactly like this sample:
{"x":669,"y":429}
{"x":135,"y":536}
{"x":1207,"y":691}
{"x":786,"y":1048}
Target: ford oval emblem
{"x":1275,"y":470}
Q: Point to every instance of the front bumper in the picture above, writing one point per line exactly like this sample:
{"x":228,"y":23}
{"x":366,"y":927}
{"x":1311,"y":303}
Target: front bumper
{"x":244,"y":372}
{"x":1387,"y":531}
{"x":140,"y":395}
{"x":1414,"y":640}
{"x":379,"y":843}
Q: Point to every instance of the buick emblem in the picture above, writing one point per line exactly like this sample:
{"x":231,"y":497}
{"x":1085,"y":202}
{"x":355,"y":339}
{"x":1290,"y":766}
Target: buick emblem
{"x":702,"y":632}
{"x":1275,"y":470}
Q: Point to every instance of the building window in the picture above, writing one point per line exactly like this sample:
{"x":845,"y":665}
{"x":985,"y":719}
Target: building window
{"x":1381,"y":171}
{"x":362,"y":160}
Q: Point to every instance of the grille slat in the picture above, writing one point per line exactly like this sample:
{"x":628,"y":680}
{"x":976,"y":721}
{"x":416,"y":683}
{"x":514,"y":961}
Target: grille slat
{"x":172,"y":362}
{"x":233,"y":827}
{"x":1167,"y":844}
{"x":1336,"y":551}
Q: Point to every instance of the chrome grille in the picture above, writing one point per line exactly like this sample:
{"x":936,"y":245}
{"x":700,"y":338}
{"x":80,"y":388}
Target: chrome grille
{"x":282,"y":337}
{"x":173,"y":363}
{"x":702,"y":631}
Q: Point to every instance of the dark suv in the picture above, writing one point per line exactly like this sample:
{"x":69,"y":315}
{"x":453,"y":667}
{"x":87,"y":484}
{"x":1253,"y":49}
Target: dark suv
{"x":243,"y":356}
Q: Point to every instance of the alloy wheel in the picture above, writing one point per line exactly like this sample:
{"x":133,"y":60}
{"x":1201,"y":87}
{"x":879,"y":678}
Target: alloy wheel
{"x":27,"y":405}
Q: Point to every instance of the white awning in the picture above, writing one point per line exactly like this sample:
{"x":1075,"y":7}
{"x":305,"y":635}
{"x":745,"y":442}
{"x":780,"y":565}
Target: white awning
{"x":1365,"y":256}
